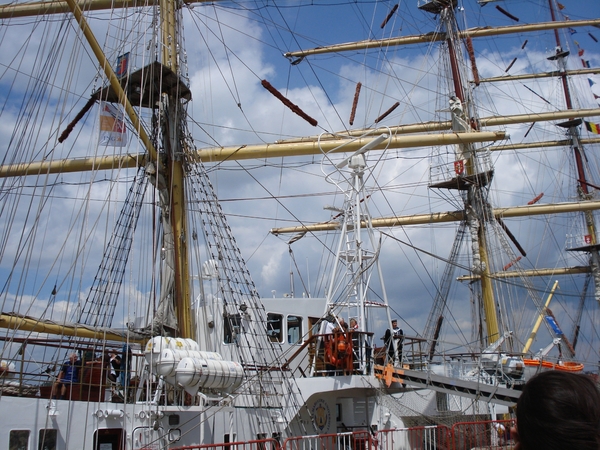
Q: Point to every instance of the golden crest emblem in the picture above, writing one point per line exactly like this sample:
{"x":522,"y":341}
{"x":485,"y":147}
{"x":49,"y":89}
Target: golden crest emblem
{"x":321,"y":415}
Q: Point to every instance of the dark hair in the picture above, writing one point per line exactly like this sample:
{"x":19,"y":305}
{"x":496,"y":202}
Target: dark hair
{"x":559,"y":410}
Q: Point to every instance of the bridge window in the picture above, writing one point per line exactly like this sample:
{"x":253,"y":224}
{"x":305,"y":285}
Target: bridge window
{"x":275,"y":327}
{"x":294,"y":329}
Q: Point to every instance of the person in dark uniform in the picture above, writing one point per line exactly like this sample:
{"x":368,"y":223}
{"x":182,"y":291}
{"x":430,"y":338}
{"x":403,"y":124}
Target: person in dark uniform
{"x":399,"y":336}
{"x":388,"y":339}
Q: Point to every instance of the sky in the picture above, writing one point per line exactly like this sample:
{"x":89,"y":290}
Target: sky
{"x":229,"y":48}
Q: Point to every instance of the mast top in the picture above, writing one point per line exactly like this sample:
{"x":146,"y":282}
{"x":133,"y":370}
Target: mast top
{"x":437,"y":6}
{"x":144,"y":86}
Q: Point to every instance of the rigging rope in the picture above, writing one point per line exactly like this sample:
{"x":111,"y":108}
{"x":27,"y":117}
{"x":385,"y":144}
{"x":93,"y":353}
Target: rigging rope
{"x":99,"y":307}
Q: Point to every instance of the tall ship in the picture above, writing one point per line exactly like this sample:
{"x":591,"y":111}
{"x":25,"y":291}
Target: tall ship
{"x":223,"y":226}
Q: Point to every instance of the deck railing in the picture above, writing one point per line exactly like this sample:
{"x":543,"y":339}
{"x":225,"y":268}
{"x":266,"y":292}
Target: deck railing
{"x":480,"y":435}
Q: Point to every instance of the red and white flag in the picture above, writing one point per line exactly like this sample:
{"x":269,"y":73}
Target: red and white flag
{"x":112,"y":126}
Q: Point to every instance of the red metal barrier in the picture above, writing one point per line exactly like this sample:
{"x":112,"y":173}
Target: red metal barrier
{"x":357,"y":440}
{"x":415,"y":438}
{"x":262,"y":444}
{"x":481,"y":435}
{"x":493,"y":434}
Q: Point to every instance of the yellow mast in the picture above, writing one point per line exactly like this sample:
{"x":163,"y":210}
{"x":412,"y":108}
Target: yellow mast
{"x":174,"y":173}
{"x":487,"y":293}
{"x":538,"y":322}
{"x":476,"y":205}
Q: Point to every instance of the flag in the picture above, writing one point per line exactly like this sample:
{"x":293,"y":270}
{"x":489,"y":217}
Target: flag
{"x":554,"y":326}
{"x":581,"y":52}
{"x":591,"y":82}
{"x":123,"y":64}
{"x":592,"y":127}
{"x":459,"y":166}
{"x":572,"y":30}
{"x":112,"y":126}
{"x":585,"y":63}
{"x":560,"y":6}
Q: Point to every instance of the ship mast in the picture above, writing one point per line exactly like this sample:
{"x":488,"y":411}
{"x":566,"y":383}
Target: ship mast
{"x":357,"y":255}
{"x":471,"y":178}
{"x":173,"y":116}
{"x":583,"y":191}
{"x":164,"y":166}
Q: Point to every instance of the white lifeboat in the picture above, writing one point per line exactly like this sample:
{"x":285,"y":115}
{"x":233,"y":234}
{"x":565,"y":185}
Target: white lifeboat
{"x":196,"y":373}
{"x":180,"y":362}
